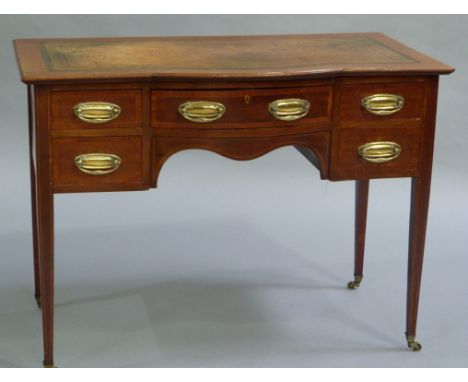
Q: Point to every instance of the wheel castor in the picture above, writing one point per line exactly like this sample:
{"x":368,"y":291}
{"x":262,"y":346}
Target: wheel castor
{"x":355,"y":284}
{"x":412,"y":344}
{"x":49,"y":365}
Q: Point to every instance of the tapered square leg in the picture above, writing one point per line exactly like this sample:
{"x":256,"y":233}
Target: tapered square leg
{"x":46,"y":253}
{"x":45,"y":219}
{"x":362,"y":196}
{"x":420,"y":190}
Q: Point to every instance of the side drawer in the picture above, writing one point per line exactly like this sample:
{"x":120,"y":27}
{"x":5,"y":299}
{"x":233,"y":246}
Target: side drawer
{"x":118,"y":165}
{"x":381,"y":102}
{"x":369,"y":152}
{"x":249,"y":108}
{"x":91,"y":109}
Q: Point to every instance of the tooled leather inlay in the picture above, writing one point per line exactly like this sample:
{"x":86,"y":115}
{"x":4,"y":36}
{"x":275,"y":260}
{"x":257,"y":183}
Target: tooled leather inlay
{"x":236,"y":55}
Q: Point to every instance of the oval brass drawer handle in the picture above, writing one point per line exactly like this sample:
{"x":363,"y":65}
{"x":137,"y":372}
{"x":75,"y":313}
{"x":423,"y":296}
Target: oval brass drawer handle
{"x":379,"y":152}
{"x":383,"y":104}
{"x":289,"y":109}
{"x":96,"y":112}
{"x":202,"y":111}
{"x":97,"y":164}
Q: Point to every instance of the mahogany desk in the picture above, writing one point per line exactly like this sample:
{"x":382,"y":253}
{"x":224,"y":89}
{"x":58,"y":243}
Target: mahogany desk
{"x":106,"y":113}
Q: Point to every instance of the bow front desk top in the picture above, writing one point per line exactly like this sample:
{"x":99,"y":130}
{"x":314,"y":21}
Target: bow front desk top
{"x":220,"y":57}
{"x":106,"y":113}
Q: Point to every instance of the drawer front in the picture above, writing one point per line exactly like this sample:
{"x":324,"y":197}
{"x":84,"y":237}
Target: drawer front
{"x":207,"y":109}
{"x":84,"y":109}
{"x":364,"y":153}
{"x":381,"y":102}
{"x":97,"y":164}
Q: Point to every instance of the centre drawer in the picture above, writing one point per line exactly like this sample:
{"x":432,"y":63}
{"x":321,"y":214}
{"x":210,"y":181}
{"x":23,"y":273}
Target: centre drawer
{"x":250,"y":108}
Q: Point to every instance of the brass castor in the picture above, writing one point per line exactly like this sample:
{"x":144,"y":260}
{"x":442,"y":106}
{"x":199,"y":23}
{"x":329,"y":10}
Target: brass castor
{"x":38,"y":301}
{"x":412,"y":344}
{"x":48,"y":365}
{"x":355,"y":284}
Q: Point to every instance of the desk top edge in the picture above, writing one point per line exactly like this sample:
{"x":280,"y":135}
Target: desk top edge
{"x":262,"y":57}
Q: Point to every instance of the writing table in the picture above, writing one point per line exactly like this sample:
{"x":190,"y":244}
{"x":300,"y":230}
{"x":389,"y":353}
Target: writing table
{"x":106,"y":113}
